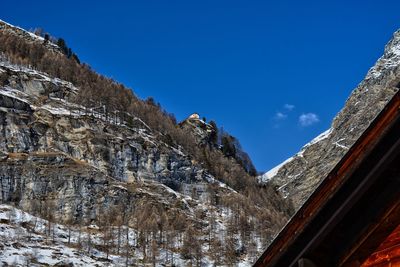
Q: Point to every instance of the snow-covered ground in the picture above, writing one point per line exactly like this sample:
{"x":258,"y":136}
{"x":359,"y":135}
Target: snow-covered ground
{"x":25,"y":241}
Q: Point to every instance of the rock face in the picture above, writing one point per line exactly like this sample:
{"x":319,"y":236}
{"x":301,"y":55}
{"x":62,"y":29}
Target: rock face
{"x":298,"y":177}
{"x":200,"y":130}
{"x":52,"y":147}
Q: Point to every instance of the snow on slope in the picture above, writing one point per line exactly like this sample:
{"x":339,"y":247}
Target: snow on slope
{"x":27,"y":33}
{"x":40,"y":76}
{"x":319,"y":138}
{"x":271,"y":173}
{"x":24,"y":242}
{"x":274,"y":171}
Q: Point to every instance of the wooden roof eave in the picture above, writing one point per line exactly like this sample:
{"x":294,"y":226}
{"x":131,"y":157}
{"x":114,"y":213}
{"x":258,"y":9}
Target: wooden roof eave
{"x":331,"y":184}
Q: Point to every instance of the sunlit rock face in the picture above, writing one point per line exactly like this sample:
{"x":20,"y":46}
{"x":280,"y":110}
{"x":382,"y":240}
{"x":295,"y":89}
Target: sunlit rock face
{"x":49,"y":145}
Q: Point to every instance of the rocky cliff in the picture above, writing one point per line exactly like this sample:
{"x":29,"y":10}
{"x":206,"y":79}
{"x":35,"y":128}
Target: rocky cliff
{"x":79,"y":166}
{"x":79,"y":157}
{"x":298,"y":176}
{"x":200,"y":130}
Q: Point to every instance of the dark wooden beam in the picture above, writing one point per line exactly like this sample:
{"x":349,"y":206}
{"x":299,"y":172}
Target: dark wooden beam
{"x":303,"y":262}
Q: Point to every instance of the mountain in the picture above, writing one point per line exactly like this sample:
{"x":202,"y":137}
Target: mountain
{"x":297,"y":177}
{"x":91,"y":175}
{"x":208,"y":134}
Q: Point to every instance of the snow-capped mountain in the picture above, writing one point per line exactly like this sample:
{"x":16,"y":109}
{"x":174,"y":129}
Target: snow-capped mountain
{"x":298,"y":176}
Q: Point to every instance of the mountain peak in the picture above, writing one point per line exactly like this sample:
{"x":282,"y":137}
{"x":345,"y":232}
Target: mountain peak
{"x":200,"y":129}
{"x":194,"y":116}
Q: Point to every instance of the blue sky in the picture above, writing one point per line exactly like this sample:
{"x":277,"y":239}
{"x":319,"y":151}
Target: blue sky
{"x":272,"y":73}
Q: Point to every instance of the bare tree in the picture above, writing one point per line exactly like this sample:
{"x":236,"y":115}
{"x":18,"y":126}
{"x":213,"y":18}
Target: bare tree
{"x":191,"y":248}
{"x":48,"y":210}
{"x":216,"y":251}
{"x":154,"y":252}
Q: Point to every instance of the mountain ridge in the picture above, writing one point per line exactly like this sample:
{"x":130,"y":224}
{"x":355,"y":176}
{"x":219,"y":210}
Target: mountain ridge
{"x":301,"y":174}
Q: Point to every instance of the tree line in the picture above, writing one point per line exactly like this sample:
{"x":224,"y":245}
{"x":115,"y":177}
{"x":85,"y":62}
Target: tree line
{"x":97,"y":90}
{"x":145,"y":230}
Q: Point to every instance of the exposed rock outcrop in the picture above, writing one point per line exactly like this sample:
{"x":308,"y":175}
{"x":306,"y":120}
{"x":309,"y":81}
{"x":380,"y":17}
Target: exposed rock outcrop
{"x":199,"y":128}
{"x":50,"y":147}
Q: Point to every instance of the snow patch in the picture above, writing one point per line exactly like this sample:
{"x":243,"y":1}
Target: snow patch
{"x":340,"y":145}
{"x":319,"y":138}
{"x":274,"y":171}
{"x":6,"y":91}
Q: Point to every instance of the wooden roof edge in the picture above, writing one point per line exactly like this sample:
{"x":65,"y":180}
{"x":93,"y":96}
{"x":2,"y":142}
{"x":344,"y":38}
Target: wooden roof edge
{"x":332,"y":182}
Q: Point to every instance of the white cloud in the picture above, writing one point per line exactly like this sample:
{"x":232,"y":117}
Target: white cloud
{"x":289,"y":107}
{"x":279,"y":116}
{"x":308,"y":119}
